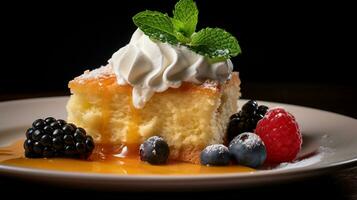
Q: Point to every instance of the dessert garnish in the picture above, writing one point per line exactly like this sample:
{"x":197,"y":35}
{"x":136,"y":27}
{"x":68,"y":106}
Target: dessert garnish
{"x":154,"y":150}
{"x":49,"y":138}
{"x":246,"y":120}
{"x":281,"y":135}
{"x":166,"y":51}
{"x":214,"y":43}
{"x":258,"y":135}
{"x":248,"y":149}
{"x":215,"y":155}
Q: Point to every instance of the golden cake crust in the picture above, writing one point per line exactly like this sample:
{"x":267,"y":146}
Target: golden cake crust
{"x":104,"y":76}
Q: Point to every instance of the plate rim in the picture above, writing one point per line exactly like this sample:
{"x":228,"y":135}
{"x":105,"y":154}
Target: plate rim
{"x":263,"y":173}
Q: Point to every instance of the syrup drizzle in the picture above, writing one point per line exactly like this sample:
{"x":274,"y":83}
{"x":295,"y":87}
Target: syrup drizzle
{"x":133,"y":130}
{"x":108,"y":159}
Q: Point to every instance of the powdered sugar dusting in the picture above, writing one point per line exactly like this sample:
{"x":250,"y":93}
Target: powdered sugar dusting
{"x":210,"y":84}
{"x":250,"y":140}
{"x":322,"y":151}
{"x":216,"y":147}
{"x":301,"y":163}
{"x":101,"y":72}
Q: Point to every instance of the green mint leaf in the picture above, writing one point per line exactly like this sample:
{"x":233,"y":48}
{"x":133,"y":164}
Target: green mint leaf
{"x":181,"y":38}
{"x":156,"y":25}
{"x":215,"y":43}
{"x":185,"y":17}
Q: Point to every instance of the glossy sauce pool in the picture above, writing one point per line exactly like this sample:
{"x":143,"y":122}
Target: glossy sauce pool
{"x":108,"y":160}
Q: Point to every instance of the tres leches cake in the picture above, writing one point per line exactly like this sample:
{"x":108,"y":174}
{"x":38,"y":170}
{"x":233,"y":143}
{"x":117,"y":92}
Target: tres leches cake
{"x":169,"y":95}
{"x":189,"y":118}
{"x":160,"y":85}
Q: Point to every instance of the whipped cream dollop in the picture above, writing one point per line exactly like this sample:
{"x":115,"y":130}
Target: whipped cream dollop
{"x":152,"y":66}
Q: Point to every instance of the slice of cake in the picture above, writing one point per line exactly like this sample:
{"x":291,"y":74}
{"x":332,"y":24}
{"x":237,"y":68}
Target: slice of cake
{"x":189,"y":117}
{"x":168,"y":81}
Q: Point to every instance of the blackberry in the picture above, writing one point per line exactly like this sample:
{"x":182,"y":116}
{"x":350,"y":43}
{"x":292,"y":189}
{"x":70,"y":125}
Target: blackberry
{"x":61,"y":122}
{"x":29,"y":133}
{"x":49,"y":120}
{"x":68,"y":129}
{"x":56,"y":138}
{"x":262,"y":109}
{"x":245,"y":120}
{"x":240,"y":124}
{"x":55,"y":125}
{"x":250,"y":108}
{"x":38,"y":124}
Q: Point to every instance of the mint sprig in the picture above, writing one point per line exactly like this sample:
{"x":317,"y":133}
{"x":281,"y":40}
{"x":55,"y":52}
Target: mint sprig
{"x":185,"y":17}
{"x":156,"y":25}
{"x":214,"y":43}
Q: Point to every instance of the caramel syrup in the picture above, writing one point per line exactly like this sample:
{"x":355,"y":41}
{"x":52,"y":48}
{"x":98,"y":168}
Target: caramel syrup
{"x":133,"y":129}
{"x":106,"y":90}
{"x":106,"y":159}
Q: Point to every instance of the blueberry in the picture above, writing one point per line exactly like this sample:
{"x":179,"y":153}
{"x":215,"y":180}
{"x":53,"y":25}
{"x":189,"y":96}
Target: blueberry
{"x":154,"y":150}
{"x":248,"y":149}
{"x":215,"y":155}
{"x":249,"y":108}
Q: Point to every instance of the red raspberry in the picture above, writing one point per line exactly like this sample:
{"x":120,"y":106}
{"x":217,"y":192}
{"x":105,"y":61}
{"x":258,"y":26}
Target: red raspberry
{"x":280,"y":134}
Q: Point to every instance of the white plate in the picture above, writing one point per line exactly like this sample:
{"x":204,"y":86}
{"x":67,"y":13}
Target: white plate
{"x":333,"y":135}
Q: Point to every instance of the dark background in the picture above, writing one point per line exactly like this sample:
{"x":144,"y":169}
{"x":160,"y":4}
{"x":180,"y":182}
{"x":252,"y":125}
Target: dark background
{"x":299,"y":52}
{"x":293,"y":53}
